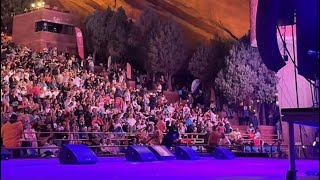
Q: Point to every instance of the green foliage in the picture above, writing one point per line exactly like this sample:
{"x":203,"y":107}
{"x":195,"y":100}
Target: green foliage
{"x":111,"y":33}
{"x":208,"y":60}
{"x":134,"y":35}
{"x":166,"y":52}
{"x":220,"y":49}
{"x":199,"y":63}
{"x":117,"y":33}
{"x":96,"y":25}
{"x":148,"y":23}
{"x":9,"y":8}
{"x":245,"y":76}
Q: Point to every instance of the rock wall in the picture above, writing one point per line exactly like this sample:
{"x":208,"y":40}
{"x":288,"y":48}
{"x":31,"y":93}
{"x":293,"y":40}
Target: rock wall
{"x":200,"y":19}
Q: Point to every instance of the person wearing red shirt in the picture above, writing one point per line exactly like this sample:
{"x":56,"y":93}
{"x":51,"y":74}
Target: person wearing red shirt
{"x":256,"y":138}
{"x":36,"y":90}
{"x":161,"y":125}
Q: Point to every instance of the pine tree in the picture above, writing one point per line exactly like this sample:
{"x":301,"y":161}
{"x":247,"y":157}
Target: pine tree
{"x":96,"y":25}
{"x":199,"y":63}
{"x":166,"y":53}
{"x":10,"y":8}
{"x":117,"y":32}
{"x":208,"y":59}
{"x":148,"y":23}
{"x":246,"y":76}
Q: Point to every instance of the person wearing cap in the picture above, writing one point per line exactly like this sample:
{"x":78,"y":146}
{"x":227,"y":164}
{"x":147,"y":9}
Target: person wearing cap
{"x":11,"y":133}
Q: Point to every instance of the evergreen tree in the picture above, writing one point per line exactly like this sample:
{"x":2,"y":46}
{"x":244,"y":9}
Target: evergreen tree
{"x":111,"y":33}
{"x":96,"y":25}
{"x":208,"y":59}
{"x":10,"y":8}
{"x":246,"y":76}
{"x":166,"y":53}
{"x":199,"y":63}
{"x":148,"y":24}
{"x":117,"y":33}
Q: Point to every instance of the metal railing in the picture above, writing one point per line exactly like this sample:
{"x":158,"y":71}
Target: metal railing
{"x":191,"y":139}
{"x":124,"y":138}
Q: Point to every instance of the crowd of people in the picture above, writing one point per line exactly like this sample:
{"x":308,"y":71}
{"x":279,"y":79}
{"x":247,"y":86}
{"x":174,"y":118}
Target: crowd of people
{"x":49,"y":98}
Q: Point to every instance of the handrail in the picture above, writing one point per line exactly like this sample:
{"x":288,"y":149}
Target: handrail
{"x":134,"y":133}
{"x":58,"y":147}
{"x":190,"y":137}
{"x":126,"y":133}
{"x":184,"y":136}
{"x":278,"y":152}
{"x":98,"y":146}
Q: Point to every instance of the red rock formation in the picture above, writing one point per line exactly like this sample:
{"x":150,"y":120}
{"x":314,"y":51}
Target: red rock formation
{"x":200,"y":18}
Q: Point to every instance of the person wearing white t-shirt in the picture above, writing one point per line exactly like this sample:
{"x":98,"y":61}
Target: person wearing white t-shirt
{"x":91,"y":66}
{"x":77,"y":81}
{"x":6,"y":78}
{"x":159,"y":88}
{"x":141,"y":125}
{"x":131,"y":122}
{"x":185,"y":110}
{"x":30,"y":136}
{"x":48,"y":93}
{"x":213,"y":117}
{"x":127,"y":96}
{"x":171,"y":109}
{"x":26,"y":75}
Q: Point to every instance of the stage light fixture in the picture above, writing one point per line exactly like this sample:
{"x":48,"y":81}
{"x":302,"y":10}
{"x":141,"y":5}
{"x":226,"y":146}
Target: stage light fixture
{"x":33,"y":5}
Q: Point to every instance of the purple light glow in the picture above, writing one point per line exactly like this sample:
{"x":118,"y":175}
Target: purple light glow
{"x":120,"y":169}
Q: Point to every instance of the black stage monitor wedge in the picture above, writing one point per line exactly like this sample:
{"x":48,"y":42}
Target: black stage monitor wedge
{"x":139,"y":154}
{"x":5,"y":154}
{"x":76,"y":154}
{"x":186,"y":153}
{"x":223,"y":153}
{"x":162,"y":152}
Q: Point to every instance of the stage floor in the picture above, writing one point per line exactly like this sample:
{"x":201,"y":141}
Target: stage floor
{"x":120,"y":169}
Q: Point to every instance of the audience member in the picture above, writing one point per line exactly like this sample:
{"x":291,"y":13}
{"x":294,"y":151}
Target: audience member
{"x":53,"y":92}
{"x":49,"y":149}
{"x":214,"y":139}
{"x":11,"y":133}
